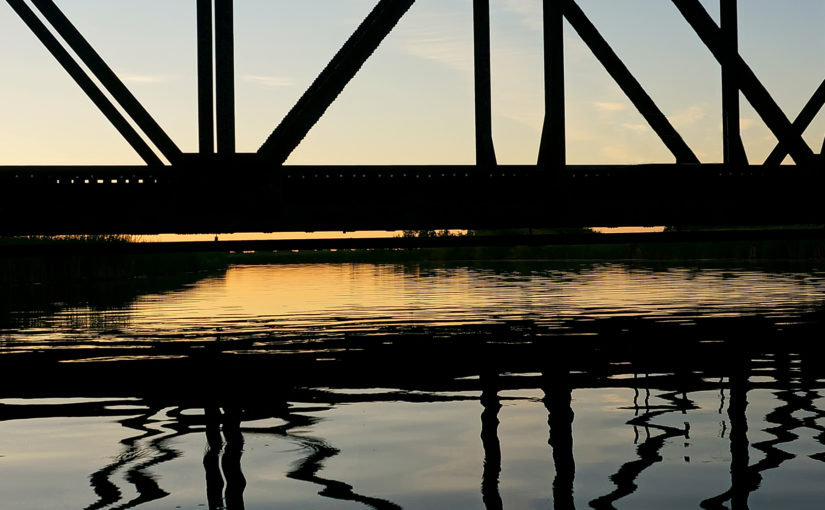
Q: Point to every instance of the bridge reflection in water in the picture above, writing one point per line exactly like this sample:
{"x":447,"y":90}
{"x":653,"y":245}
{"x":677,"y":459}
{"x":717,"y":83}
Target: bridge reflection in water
{"x":231,"y":397}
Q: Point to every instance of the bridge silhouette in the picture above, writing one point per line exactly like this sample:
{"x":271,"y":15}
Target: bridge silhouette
{"x":219,"y":189}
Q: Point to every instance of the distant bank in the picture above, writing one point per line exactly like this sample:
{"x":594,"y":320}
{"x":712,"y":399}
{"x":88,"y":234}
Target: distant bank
{"x":36,"y":260}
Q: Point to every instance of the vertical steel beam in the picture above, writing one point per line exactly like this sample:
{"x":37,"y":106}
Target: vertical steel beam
{"x":733,"y":148}
{"x":206,"y":83}
{"x":553,"y":150}
{"x":628,"y":83}
{"x":485,"y":151}
{"x":109,"y":79}
{"x":84,"y":82}
{"x":225,"y":75}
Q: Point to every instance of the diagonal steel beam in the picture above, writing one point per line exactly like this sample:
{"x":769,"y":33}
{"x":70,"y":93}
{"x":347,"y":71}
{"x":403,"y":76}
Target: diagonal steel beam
{"x":333,"y":79}
{"x":628,"y":83}
{"x":84,"y":82}
{"x":747,"y":82}
{"x":109,"y":79}
{"x":552,"y":151}
{"x":806,"y":116}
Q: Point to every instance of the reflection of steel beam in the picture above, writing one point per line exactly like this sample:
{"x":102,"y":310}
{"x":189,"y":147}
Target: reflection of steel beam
{"x":628,"y":83}
{"x":485,"y":151}
{"x":806,"y":116}
{"x":734,"y":150}
{"x":84,"y":82}
{"x":108,"y":79}
{"x":332,"y":80}
{"x":648,"y":452}
{"x":552,"y":150}
{"x":740,"y":457}
{"x":490,"y":494}
{"x":756,"y":93}
{"x":741,"y":479}
{"x":231,"y":459}
{"x":558,"y":399}
{"x":212,"y":455}
{"x":225,"y":75}
{"x":206,"y":84}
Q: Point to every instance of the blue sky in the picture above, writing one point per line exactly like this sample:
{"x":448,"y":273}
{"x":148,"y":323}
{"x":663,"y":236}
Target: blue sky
{"x":412,"y":102}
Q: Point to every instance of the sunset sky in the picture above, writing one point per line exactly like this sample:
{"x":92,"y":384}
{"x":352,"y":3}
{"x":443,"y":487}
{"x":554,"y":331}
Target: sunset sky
{"x":413,"y":100}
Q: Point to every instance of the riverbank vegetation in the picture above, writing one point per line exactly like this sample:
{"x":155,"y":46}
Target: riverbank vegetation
{"x":644,"y":251}
{"x":121,"y":266}
{"x":68,"y":239}
{"x":586,"y":246}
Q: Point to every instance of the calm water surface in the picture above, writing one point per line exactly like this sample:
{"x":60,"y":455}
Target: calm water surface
{"x":490,"y":386}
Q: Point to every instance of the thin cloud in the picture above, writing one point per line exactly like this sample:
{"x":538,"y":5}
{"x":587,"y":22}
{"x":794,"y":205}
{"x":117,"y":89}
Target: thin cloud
{"x":622,"y":155}
{"x":689,"y":116}
{"x":610,"y":106}
{"x":438,"y":46}
{"x":530,"y":12}
{"x":639,"y":128}
{"x":144,"y":78}
{"x":269,"y":81}
{"x":441,"y":34}
{"x":747,"y":123}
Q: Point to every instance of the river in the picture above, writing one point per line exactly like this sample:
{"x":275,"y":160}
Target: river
{"x":514,"y":385}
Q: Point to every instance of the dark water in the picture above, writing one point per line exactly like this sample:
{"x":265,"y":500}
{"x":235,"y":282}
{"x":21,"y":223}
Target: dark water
{"x":386,"y":386}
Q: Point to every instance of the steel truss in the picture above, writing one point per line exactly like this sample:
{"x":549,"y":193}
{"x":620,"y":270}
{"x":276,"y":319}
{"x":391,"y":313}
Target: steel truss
{"x":551,"y":193}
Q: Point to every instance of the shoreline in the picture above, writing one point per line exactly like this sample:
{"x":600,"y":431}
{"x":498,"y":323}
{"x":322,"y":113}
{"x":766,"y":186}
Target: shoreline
{"x":66,"y":260}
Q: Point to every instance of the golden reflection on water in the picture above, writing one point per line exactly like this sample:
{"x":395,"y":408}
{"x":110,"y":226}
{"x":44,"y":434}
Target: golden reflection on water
{"x":259,"y":301}
{"x":287,"y":294}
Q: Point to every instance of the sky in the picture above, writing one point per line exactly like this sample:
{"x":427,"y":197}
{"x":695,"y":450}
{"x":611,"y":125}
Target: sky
{"x":412,"y":103}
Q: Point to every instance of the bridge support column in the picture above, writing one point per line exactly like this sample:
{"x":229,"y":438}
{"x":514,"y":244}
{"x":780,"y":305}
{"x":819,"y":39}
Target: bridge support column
{"x":485,"y":151}
{"x":552,"y":152}
{"x":206,"y":83}
{"x":734,"y":149}
{"x":225,"y":75}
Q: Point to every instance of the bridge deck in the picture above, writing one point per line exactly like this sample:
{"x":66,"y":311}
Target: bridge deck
{"x":243,"y":196}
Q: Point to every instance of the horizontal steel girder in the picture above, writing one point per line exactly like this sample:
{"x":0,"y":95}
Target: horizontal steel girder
{"x":240,"y":195}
